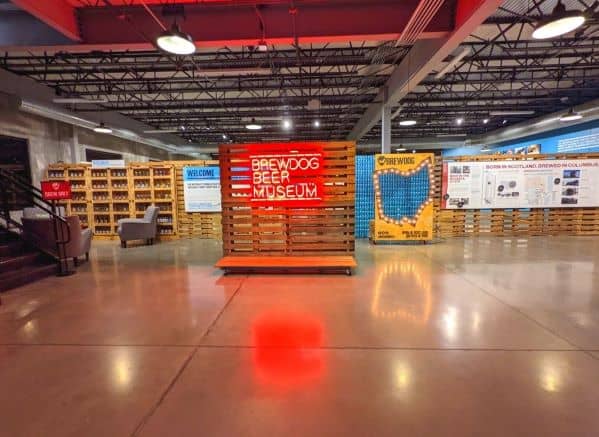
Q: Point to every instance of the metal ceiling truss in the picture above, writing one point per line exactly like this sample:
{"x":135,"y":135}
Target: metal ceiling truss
{"x":222,"y":89}
{"x":507,"y":71}
{"x":216,"y":93}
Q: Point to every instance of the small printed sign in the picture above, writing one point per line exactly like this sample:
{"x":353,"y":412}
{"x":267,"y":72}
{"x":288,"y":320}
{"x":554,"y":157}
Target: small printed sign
{"x":108,"y":163}
{"x":201,"y":189}
{"x":56,"y":190}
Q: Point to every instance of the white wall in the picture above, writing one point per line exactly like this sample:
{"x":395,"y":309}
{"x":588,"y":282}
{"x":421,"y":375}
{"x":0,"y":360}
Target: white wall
{"x":52,"y":141}
{"x":49,"y":141}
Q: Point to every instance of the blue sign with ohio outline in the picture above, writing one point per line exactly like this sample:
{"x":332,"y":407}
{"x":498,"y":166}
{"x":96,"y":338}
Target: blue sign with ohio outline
{"x":201,"y":173}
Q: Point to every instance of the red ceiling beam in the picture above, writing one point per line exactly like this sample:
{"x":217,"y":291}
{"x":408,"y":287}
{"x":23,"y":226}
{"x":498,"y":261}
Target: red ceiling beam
{"x":133,"y":28}
{"x":57,"y":14}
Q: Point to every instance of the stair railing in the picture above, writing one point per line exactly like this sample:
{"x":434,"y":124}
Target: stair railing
{"x":13,"y":185}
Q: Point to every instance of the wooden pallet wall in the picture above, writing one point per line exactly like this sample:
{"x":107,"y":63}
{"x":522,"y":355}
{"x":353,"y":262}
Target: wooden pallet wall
{"x":146,"y":185}
{"x":514,"y":222}
{"x":327,"y":229}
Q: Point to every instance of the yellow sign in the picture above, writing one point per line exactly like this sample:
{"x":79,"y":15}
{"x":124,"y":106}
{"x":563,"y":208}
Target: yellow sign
{"x":403,"y":188}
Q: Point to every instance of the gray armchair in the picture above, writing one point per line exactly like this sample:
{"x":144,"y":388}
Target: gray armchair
{"x":139,"y":229}
{"x":41,"y":232}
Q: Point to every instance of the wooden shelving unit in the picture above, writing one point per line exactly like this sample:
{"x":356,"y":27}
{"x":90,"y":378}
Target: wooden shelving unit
{"x":78,"y":175}
{"x":154,"y":184}
{"x":120,"y":207}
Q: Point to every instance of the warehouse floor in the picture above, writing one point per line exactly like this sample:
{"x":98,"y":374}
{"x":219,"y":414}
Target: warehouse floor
{"x":489,"y":337}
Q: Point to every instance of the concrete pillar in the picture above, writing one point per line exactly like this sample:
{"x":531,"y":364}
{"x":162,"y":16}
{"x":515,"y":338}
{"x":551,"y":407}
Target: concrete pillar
{"x":386,"y":129}
{"x":75,"y":149}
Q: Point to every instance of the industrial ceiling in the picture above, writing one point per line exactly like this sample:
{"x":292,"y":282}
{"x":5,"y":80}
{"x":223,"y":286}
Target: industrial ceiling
{"x":309,"y":69}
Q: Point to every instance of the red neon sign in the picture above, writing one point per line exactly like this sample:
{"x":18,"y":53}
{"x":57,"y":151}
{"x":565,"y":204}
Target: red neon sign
{"x":56,"y":190}
{"x":289,"y":174}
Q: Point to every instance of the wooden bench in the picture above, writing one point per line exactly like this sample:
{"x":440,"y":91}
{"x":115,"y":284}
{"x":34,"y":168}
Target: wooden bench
{"x":330,"y":264}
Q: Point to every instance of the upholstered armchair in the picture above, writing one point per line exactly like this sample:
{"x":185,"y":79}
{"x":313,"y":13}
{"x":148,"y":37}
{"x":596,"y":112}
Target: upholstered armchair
{"x":139,"y":229}
{"x":41,"y":232}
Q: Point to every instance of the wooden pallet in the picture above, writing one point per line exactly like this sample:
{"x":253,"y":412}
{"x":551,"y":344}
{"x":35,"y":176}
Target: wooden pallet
{"x":326,"y":229}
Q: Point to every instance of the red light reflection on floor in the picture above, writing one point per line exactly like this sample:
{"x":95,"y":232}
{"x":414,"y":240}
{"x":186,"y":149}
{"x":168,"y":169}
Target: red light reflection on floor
{"x":287,"y":350}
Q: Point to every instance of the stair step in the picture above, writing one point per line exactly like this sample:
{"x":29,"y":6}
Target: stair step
{"x":12,"y":248}
{"x":7,"y":237}
{"x":26,"y":275}
{"x":16,"y":262}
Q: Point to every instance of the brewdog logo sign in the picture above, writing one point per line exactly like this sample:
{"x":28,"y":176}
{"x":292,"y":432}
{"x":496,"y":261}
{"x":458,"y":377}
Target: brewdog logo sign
{"x":289,"y":174}
{"x":404,"y":189}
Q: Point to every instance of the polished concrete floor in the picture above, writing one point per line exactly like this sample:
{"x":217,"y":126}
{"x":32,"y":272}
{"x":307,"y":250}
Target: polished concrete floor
{"x":483,"y":337}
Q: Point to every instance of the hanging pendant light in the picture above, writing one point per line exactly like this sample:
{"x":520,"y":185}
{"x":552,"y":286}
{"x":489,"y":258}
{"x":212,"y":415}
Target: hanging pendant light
{"x":176,"y":42}
{"x":558,"y":23}
{"x":102,"y":129}
{"x":570,"y":116}
{"x":253,"y":125}
{"x":408,"y":122}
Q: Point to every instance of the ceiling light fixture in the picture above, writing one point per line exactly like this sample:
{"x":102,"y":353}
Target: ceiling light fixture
{"x":500,"y":113}
{"x":235,"y":72}
{"x":176,"y":42}
{"x":459,"y":121}
{"x":401,"y":149}
{"x":75,"y":100}
{"x":570,"y":116}
{"x":102,"y":129}
{"x":287,"y":124}
{"x":252,"y":125}
{"x":559,"y":22}
{"x":316,"y":123}
{"x":262,"y":46}
{"x":486,"y":121}
{"x":450,"y":135}
{"x":225,"y":136}
{"x":407,"y":122}
{"x":160,"y":131}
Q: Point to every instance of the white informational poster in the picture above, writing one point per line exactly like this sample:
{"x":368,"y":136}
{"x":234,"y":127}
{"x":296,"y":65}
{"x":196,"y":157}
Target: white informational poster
{"x":521,"y":184}
{"x":201,"y":189}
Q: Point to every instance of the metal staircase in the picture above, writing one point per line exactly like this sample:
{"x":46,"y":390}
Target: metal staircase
{"x":21,"y":259}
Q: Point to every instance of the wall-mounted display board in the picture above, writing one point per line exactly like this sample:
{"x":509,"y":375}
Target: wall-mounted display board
{"x":540,"y":183}
{"x":404,"y":190}
{"x":288,"y":200}
{"x":201,"y":189}
{"x":505,"y":222}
